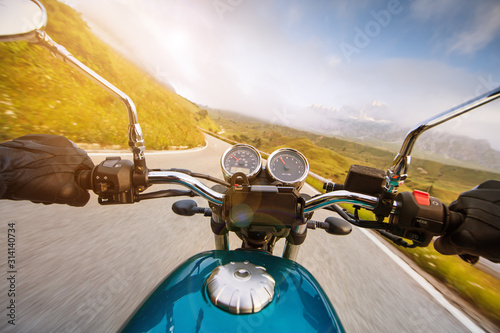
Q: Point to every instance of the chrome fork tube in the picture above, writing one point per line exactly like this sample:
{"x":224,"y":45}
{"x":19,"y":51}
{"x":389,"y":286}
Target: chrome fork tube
{"x":291,"y":251}
{"x":222,"y":242}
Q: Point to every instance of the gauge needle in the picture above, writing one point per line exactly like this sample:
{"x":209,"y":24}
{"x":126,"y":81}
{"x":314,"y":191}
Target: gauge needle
{"x":282,"y":160}
{"x":235,"y":157}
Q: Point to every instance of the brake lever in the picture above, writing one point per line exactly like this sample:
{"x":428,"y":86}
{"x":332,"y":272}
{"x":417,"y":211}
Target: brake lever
{"x":355,"y":220}
{"x":396,"y":240}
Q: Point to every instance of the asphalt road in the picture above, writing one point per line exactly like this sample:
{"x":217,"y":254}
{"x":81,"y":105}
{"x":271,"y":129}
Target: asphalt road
{"x":87,"y":269}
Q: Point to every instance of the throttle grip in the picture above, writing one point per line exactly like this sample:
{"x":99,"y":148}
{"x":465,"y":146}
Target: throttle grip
{"x":455,"y":220}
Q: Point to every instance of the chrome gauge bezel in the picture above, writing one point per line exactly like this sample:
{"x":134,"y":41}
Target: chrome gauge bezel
{"x":296,"y":182}
{"x":227,"y":174}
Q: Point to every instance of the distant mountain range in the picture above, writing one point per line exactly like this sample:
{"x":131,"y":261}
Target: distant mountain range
{"x":369,"y":127}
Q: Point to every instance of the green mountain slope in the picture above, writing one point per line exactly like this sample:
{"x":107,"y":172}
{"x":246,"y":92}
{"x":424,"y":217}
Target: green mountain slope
{"x":40,"y":94}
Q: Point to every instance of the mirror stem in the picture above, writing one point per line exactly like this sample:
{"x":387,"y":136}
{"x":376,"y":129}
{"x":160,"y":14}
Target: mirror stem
{"x":397,"y":173}
{"x":135,"y":137}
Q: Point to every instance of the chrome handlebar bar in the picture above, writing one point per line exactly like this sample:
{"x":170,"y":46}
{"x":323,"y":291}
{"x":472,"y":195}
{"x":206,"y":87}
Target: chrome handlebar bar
{"x":318,"y":202}
{"x":179,"y":178}
{"x":362,"y":200}
{"x":398,"y":171}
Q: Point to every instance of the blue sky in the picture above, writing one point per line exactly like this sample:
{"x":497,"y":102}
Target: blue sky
{"x":462,"y":33}
{"x":398,"y":61}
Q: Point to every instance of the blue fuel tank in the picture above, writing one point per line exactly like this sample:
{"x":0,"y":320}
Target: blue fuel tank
{"x":181,"y":303}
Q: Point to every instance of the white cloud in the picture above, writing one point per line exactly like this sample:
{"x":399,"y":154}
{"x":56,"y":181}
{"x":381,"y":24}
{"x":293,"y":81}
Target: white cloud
{"x":461,"y":26}
{"x":482,"y":30}
{"x":248,"y":62}
{"x":294,"y":14}
{"x":334,"y":61}
{"x":319,"y":106}
{"x":432,"y":9}
{"x":378,"y":103}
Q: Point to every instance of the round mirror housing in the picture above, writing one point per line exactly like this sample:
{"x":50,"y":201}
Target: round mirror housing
{"x":20,"y":19}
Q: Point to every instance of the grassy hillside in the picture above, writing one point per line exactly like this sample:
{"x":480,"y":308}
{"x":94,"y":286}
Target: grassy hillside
{"x":40,"y":94}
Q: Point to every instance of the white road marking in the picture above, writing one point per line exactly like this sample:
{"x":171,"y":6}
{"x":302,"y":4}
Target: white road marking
{"x":425,"y":285}
{"x":151,"y":152}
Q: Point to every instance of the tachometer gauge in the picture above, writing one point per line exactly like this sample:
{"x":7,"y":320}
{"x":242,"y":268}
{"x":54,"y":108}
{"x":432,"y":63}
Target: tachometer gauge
{"x":288,"y":166}
{"x":241,"y":158}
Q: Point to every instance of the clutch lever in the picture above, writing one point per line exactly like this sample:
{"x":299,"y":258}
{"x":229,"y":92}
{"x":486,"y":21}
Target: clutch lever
{"x":166,"y":194}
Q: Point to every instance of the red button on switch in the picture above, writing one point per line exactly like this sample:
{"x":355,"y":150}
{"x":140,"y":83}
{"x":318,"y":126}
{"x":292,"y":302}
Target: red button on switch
{"x":422,"y":197}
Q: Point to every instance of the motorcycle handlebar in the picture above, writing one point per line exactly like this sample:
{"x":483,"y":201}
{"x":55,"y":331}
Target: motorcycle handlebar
{"x":113,"y":180}
{"x":327,"y":199}
{"x":95,"y":180}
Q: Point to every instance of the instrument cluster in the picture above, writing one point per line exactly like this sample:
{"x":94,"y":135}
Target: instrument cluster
{"x":286,"y":166}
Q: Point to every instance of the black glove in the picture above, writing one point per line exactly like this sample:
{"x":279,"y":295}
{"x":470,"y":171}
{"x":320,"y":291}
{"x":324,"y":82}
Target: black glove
{"x":479,"y":235}
{"x":41,"y":168}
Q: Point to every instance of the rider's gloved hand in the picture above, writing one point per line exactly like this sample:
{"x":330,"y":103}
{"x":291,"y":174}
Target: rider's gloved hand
{"x":41,"y":168}
{"x":479,"y":235}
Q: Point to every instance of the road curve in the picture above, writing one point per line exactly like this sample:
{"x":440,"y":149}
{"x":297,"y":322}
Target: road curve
{"x":87,"y":269}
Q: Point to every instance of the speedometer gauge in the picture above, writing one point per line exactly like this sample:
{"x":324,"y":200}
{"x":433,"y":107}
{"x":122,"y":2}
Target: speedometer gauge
{"x":288,"y":166}
{"x":241,"y":158}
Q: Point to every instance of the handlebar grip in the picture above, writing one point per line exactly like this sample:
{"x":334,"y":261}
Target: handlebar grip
{"x":84,"y":179}
{"x":455,"y":220}
{"x":111,"y":180}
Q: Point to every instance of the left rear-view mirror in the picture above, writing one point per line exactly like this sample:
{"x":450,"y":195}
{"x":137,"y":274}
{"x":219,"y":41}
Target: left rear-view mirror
{"x":21,"y":19}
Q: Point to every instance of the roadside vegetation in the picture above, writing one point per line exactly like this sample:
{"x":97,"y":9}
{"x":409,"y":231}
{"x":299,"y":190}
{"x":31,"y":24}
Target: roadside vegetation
{"x":40,"y":94}
{"x":331,"y":158}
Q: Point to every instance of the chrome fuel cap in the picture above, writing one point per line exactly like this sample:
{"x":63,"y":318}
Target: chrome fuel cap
{"x":240,"y":287}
